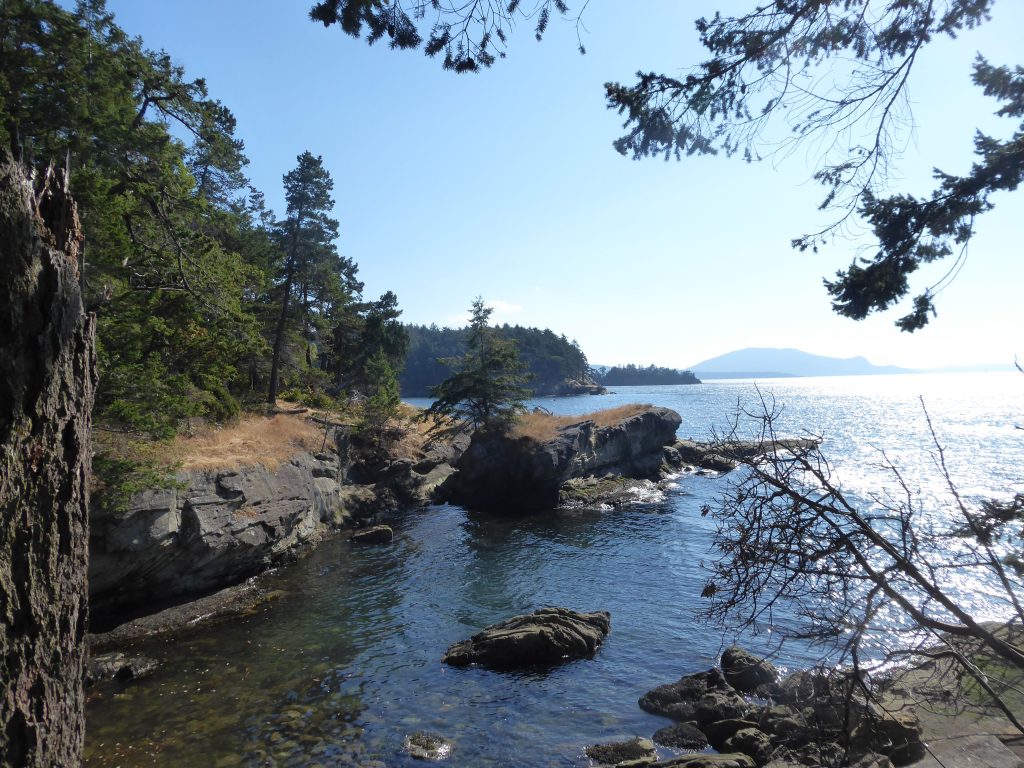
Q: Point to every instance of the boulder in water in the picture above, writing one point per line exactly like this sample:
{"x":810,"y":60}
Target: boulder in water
{"x":744,"y":671}
{"x":377,"y":534}
{"x":544,"y":637}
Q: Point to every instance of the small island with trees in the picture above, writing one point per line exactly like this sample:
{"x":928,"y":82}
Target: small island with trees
{"x":652,"y":375}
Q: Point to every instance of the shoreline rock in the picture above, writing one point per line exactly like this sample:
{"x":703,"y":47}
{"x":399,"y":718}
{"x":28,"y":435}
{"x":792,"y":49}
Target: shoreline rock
{"x":726,"y":455}
{"x":635,"y":752}
{"x":499,"y":473}
{"x":215,"y":528}
{"x":239,"y":600}
{"x":805,"y":718}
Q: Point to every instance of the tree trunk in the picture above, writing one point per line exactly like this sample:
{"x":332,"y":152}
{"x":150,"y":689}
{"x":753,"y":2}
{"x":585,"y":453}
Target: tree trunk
{"x":275,"y":366}
{"x":46,"y":391}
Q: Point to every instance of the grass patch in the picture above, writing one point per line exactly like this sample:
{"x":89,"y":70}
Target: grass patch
{"x":540,"y":426}
{"x":250,"y":441}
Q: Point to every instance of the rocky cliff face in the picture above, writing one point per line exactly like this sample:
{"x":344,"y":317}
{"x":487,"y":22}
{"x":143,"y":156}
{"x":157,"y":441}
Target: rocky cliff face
{"x":506,"y":474}
{"x":215,"y":528}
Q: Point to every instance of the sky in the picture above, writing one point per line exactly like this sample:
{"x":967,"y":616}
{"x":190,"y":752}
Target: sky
{"x":504,"y":184}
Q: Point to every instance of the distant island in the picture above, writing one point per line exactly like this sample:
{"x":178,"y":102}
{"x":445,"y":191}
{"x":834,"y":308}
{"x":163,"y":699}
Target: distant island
{"x":767,"y":363}
{"x":629,"y":375}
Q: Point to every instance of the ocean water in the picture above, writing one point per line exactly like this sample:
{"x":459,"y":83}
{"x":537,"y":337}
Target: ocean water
{"x":347,"y":664}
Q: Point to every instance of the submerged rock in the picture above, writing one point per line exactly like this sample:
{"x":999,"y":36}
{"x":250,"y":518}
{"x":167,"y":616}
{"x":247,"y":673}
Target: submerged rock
{"x":118,"y":666}
{"x":634,"y":752}
{"x":428,"y":746}
{"x":544,"y":637}
{"x":377,"y":534}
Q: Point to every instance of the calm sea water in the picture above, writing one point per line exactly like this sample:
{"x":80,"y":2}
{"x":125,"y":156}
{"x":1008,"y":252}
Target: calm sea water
{"x":340,"y":670}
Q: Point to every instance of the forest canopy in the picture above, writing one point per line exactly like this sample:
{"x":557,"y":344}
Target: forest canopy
{"x":199,"y":290}
{"x":552,"y":360}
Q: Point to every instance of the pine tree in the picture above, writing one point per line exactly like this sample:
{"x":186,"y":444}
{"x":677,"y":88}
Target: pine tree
{"x":307,"y":237}
{"x":156,"y":172}
{"x":486,"y":389}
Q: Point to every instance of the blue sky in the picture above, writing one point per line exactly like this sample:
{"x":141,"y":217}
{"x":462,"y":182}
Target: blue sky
{"x":505,"y":184}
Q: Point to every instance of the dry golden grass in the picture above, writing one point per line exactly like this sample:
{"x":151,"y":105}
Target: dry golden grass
{"x":253,"y":440}
{"x":540,"y":426}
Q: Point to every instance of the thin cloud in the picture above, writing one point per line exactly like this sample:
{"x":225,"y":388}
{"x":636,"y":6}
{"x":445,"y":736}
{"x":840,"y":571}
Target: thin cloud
{"x":503,"y":307}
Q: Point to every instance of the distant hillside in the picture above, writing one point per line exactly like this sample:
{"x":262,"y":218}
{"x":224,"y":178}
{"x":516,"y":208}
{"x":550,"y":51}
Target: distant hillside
{"x":765,"y":363}
{"x":558,"y":365}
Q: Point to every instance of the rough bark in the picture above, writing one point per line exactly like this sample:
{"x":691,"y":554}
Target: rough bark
{"x":46,"y":390}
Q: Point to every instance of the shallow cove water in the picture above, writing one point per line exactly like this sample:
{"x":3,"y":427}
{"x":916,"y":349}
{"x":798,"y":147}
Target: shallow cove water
{"x":346,"y":664}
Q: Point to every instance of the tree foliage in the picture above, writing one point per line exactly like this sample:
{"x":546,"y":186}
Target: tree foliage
{"x":765,"y":66}
{"x":200,"y":291}
{"x":833,"y":72}
{"x":383,"y":401}
{"x":159,"y":262}
{"x":874,"y":581}
{"x":551,"y":359}
{"x":485,"y":389}
{"x":314,"y":281}
{"x":471,"y":36}
{"x":627,"y":375}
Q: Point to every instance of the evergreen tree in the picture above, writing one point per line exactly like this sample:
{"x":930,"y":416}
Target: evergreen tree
{"x":307,"y":237}
{"x":383,"y":400}
{"x":161,"y":261}
{"x":485,"y":390}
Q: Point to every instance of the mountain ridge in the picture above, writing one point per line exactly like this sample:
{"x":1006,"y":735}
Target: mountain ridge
{"x":772,"y":362}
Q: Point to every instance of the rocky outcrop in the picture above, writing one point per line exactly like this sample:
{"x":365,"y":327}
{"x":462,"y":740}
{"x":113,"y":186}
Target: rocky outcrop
{"x":703,"y":698}
{"x":215,"y":528}
{"x":508,"y":474}
{"x":726,"y":455}
{"x":572,"y":387}
{"x":806,"y":719}
{"x":542,"y":638}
